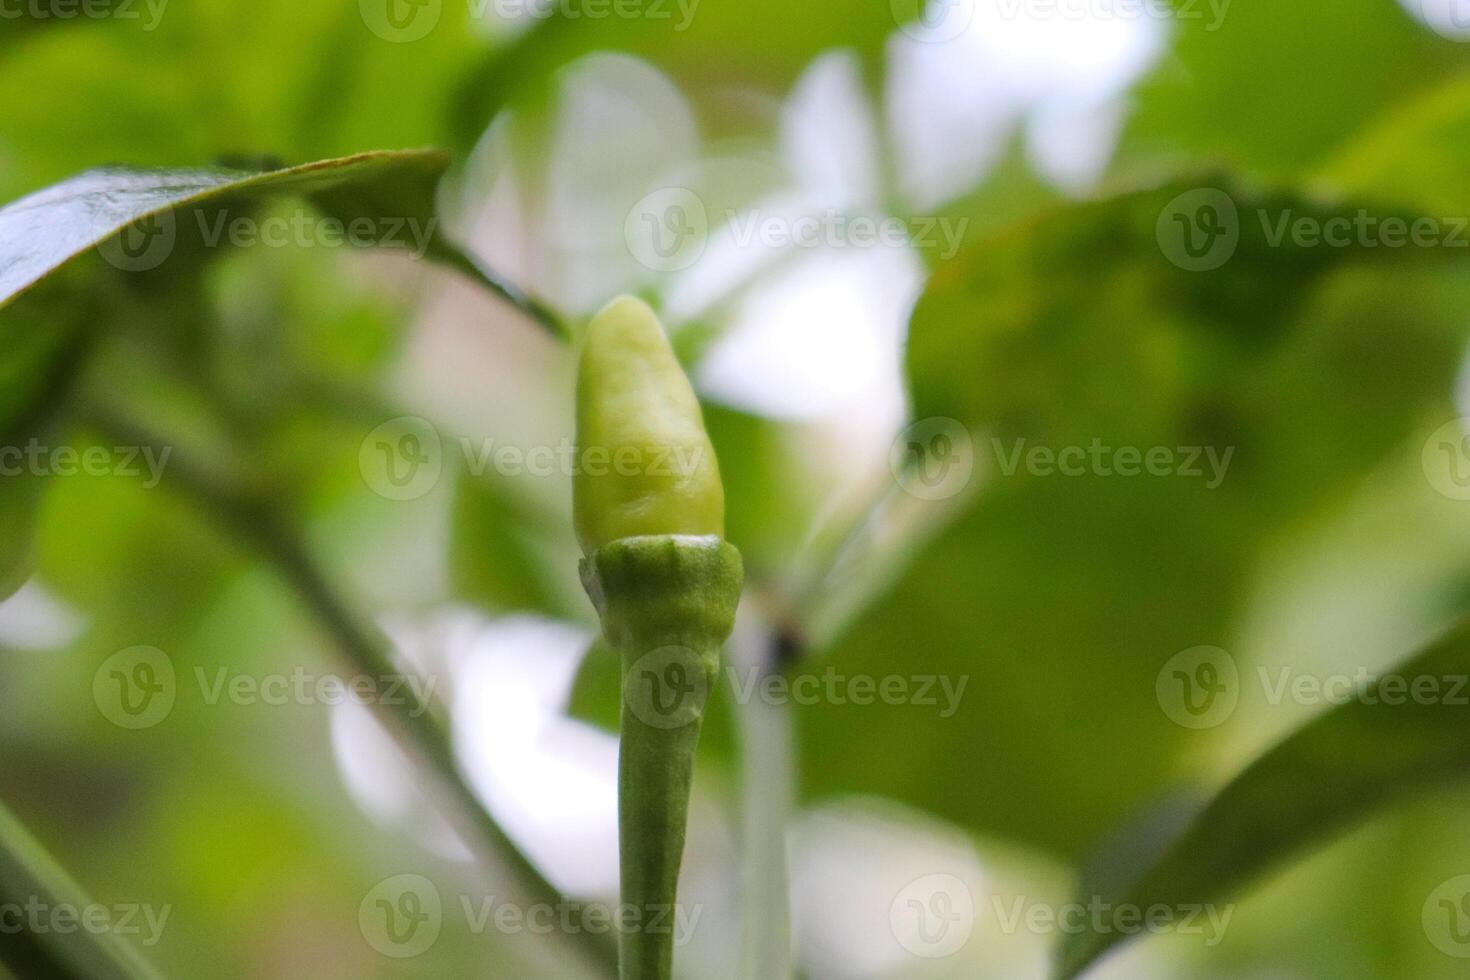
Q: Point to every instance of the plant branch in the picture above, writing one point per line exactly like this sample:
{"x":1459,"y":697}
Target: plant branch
{"x":473,"y":266}
{"x":420,"y":727}
{"x":767,"y":781}
{"x":29,"y":875}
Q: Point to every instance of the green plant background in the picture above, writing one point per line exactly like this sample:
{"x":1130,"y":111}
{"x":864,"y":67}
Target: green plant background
{"x":1059,"y":321}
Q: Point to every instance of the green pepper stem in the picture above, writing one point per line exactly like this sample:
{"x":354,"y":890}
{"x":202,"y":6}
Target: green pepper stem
{"x":667,"y":604}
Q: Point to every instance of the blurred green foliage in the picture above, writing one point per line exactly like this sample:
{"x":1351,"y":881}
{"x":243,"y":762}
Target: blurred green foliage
{"x":1062,"y":320}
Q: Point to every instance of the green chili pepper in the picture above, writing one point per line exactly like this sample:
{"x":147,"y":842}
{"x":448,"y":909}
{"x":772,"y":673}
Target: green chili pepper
{"x":647,"y":466}
{"x":665,"y":585}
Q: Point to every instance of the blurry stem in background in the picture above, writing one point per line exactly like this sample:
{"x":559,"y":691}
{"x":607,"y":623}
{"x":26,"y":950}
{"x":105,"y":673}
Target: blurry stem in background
{"x":29,"y":877}
{"x":767,"y":788}
{"x":471,"y":265}
{"x":419,"y":727}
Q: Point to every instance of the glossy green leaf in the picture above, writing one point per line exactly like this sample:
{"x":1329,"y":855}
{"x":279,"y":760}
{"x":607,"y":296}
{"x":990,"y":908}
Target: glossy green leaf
{"x":1051,"y":603}
{"x":28,"y":875}
{"x":500,"y":556}
{"x":1414,"y":156}
{"x":43,"y":232}
{"x":1362,"y":757}
{"x":1277,"y":87}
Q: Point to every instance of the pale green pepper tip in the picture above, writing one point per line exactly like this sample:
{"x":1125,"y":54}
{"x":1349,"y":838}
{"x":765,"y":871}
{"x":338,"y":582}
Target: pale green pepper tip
{"x":646,"y":466}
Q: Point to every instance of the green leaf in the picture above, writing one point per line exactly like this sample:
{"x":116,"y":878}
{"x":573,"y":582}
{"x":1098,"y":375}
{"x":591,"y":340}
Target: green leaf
{"x":1414,"y":156}
{"x":29,"y":875}
{"x":1357,"y":759}
{"x":1284,"y":105}
{"x":500,"y":556}
{"x":1076,"y":328}
{"x":43,"y":232}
